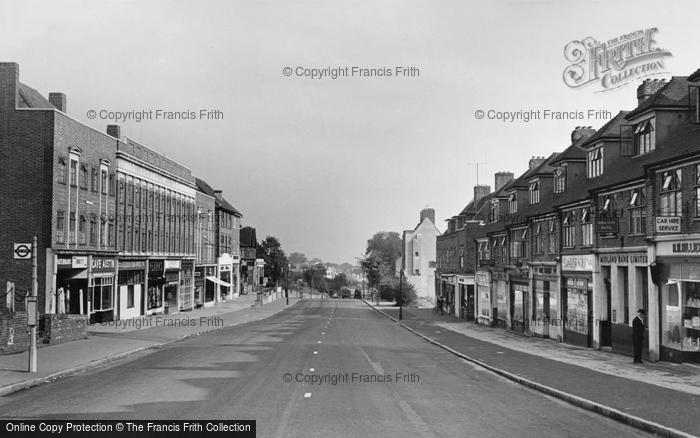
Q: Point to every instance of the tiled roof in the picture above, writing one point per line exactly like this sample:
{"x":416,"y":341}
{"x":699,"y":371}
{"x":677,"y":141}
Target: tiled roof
{"x":695,"y":76}
{"x":222,"y":203}
{"x":30,"y":98}
{"x":610,"y":129}
{"x":674,"y":93}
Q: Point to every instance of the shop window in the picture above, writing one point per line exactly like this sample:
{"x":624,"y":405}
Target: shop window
{"x":595,"y":162}
{"x":670,"y":194}
{"x":644,"y":137}
{"x":577,"y":293}
{"x":513,"y":203}
{"x":681,"y":319}
{"x":60,"y":227}
{"x":101,"y":293}
{"x":61,"y":170}
{"x":130,"y":296}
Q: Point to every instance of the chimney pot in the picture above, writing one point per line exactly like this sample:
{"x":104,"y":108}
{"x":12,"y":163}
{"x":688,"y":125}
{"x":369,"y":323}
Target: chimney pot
{"x":114,"y":130}
{"x":648,"y":88}
{"x":58,"y":100}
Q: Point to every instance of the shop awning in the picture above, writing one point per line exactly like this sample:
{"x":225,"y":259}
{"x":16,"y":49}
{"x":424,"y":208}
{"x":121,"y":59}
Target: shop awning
{"x":219,"y":282}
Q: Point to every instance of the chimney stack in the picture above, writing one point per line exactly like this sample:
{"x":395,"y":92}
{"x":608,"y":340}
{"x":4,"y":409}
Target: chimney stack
{"x":581,"y":133}
{"x":503,"y":178}
{"x":114,"y":130}
{"x":536,"y":161}
{"x":9,"y":83}
{"x":648,"y":88}
{"x":480,"y":191}
{"x":427,"y":213}
{"x":58,"y":100}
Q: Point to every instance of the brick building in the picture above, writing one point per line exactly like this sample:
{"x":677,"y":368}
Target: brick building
{"x":419,"y":256}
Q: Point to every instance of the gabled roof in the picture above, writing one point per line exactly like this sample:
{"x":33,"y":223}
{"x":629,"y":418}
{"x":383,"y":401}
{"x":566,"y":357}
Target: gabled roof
{"x":695,"y":76}
{"x":674,"y":93}
{"x":610,"y":130}
{"x":30,"y":98}
{"x":222,"y":203}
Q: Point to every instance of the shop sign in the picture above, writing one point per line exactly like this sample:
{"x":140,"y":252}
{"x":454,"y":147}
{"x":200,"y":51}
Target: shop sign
{"x":225,"y":268}
{"x":623,"y":258}
{"x":462,"y":280}
{"x":102,"y":264}
{"x":607,"y":225}
{"x":668,"y":224}
{"x":79,"y":262}
{"x":64,"y":263}
{"x":678,"y":248}
{"x":131,"y":264}
{"x":155,"y":266}
{"x":171,"y":264}
{"x":482,"y":278}
{"x":236,"y":258}
{"x":581,"y":262}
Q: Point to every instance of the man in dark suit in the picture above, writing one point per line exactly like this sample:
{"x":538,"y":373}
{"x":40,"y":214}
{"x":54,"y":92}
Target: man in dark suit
{"x":638,"y":328}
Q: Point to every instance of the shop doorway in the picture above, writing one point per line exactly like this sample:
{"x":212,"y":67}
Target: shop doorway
{"x":470,"y":311}
{"x":606,"y":324}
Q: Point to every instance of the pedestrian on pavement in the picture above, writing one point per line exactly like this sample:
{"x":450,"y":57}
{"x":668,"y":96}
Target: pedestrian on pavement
{"x":638,"y":328}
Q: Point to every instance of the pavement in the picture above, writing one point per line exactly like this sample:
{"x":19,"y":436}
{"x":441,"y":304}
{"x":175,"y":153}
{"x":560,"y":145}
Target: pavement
{"x":321,"y":368}
{"x":116,"y":340}
{"x":665,"y":396}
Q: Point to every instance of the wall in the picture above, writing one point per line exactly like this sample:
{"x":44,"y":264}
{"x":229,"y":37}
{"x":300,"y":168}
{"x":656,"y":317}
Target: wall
{"x":14,"y":332}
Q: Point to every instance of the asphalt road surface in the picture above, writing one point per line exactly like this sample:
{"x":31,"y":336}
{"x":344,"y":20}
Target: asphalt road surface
{"x":388,"y":382}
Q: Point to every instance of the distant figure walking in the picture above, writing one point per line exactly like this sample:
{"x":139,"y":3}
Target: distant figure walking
{"x":638,"y":328}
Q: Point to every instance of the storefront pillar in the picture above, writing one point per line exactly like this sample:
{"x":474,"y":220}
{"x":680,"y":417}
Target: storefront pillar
{"x":599,"y":303}
{"x":654,"y":312}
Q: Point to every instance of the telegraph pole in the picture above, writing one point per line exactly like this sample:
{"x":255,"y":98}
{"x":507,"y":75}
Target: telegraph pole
{"x":31,"y":311}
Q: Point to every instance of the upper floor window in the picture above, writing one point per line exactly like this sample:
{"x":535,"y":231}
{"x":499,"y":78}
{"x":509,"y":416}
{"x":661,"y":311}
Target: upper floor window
{"x":697,"y":190}
{"x":595,"y":162}
{"x":607,"y":205}
{"x":112,"y":185}
{"x":541,"y":242}
{"x":670,"y":194}
{"x":694,"y":107}
{"x":93,"y":179}
{"x":569,"y":228}
{"x":637,"y":209}
{"x":493,"y":212}
{"x":586,"y":227}
{"x":83,"y":177}
{"x":104,"y":181}
{"x":61,"y":171}
{"x":513,"y":203}
{"x":73,"y":173}
{"x":534,"y":192}
{"x":644,"y":137}
{"x":60,"y":227}
{"x":559,"y":179}
{"x":484,"y":251}
{"x":518,"y":243}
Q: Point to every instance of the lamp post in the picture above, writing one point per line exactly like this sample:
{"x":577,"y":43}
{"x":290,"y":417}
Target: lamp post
{"x":401,"y":294}
{"x":286,"y":282}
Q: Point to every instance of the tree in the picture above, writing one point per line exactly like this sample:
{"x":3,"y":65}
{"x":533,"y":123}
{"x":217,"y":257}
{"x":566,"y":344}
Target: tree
{"x":315,"y":276}
{"x":297,"y":260}
{"x":338,"y":282}
{"x":275,"y":260}
{"x":386,"y":246}
{"x":371,"y":265}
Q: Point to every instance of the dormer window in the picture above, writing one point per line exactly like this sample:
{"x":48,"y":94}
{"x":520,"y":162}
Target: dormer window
{"x":559,"y":179}
{"x":644,"y":137}
{"x":534,"y":192}
{"x":595,"y":162}
{"x":513,"y":203}
{"x":493,"y":212}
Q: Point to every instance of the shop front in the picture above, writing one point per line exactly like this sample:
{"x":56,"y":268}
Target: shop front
{"x":172,"y":285}
{"x":466,"y":299}
{"x":71,"y":291}
{"x":226,"y":288}
{"x":499,"y":284}
{"x":576,"y":298}
{"x":678,"y":267}
{"x":101,"y":289}
{"x":204,"y":290}
{"x":625,"y":288}
{"x":519,"y":301}
{"x":186,"y":291}
{"x":545,"y":303}
{"x":131,"y":286}
{"x":483,"y":297}
{"x":156,"y":286}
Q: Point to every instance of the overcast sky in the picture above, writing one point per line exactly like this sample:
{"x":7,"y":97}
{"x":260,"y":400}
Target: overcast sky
{"x":323,"y":163}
